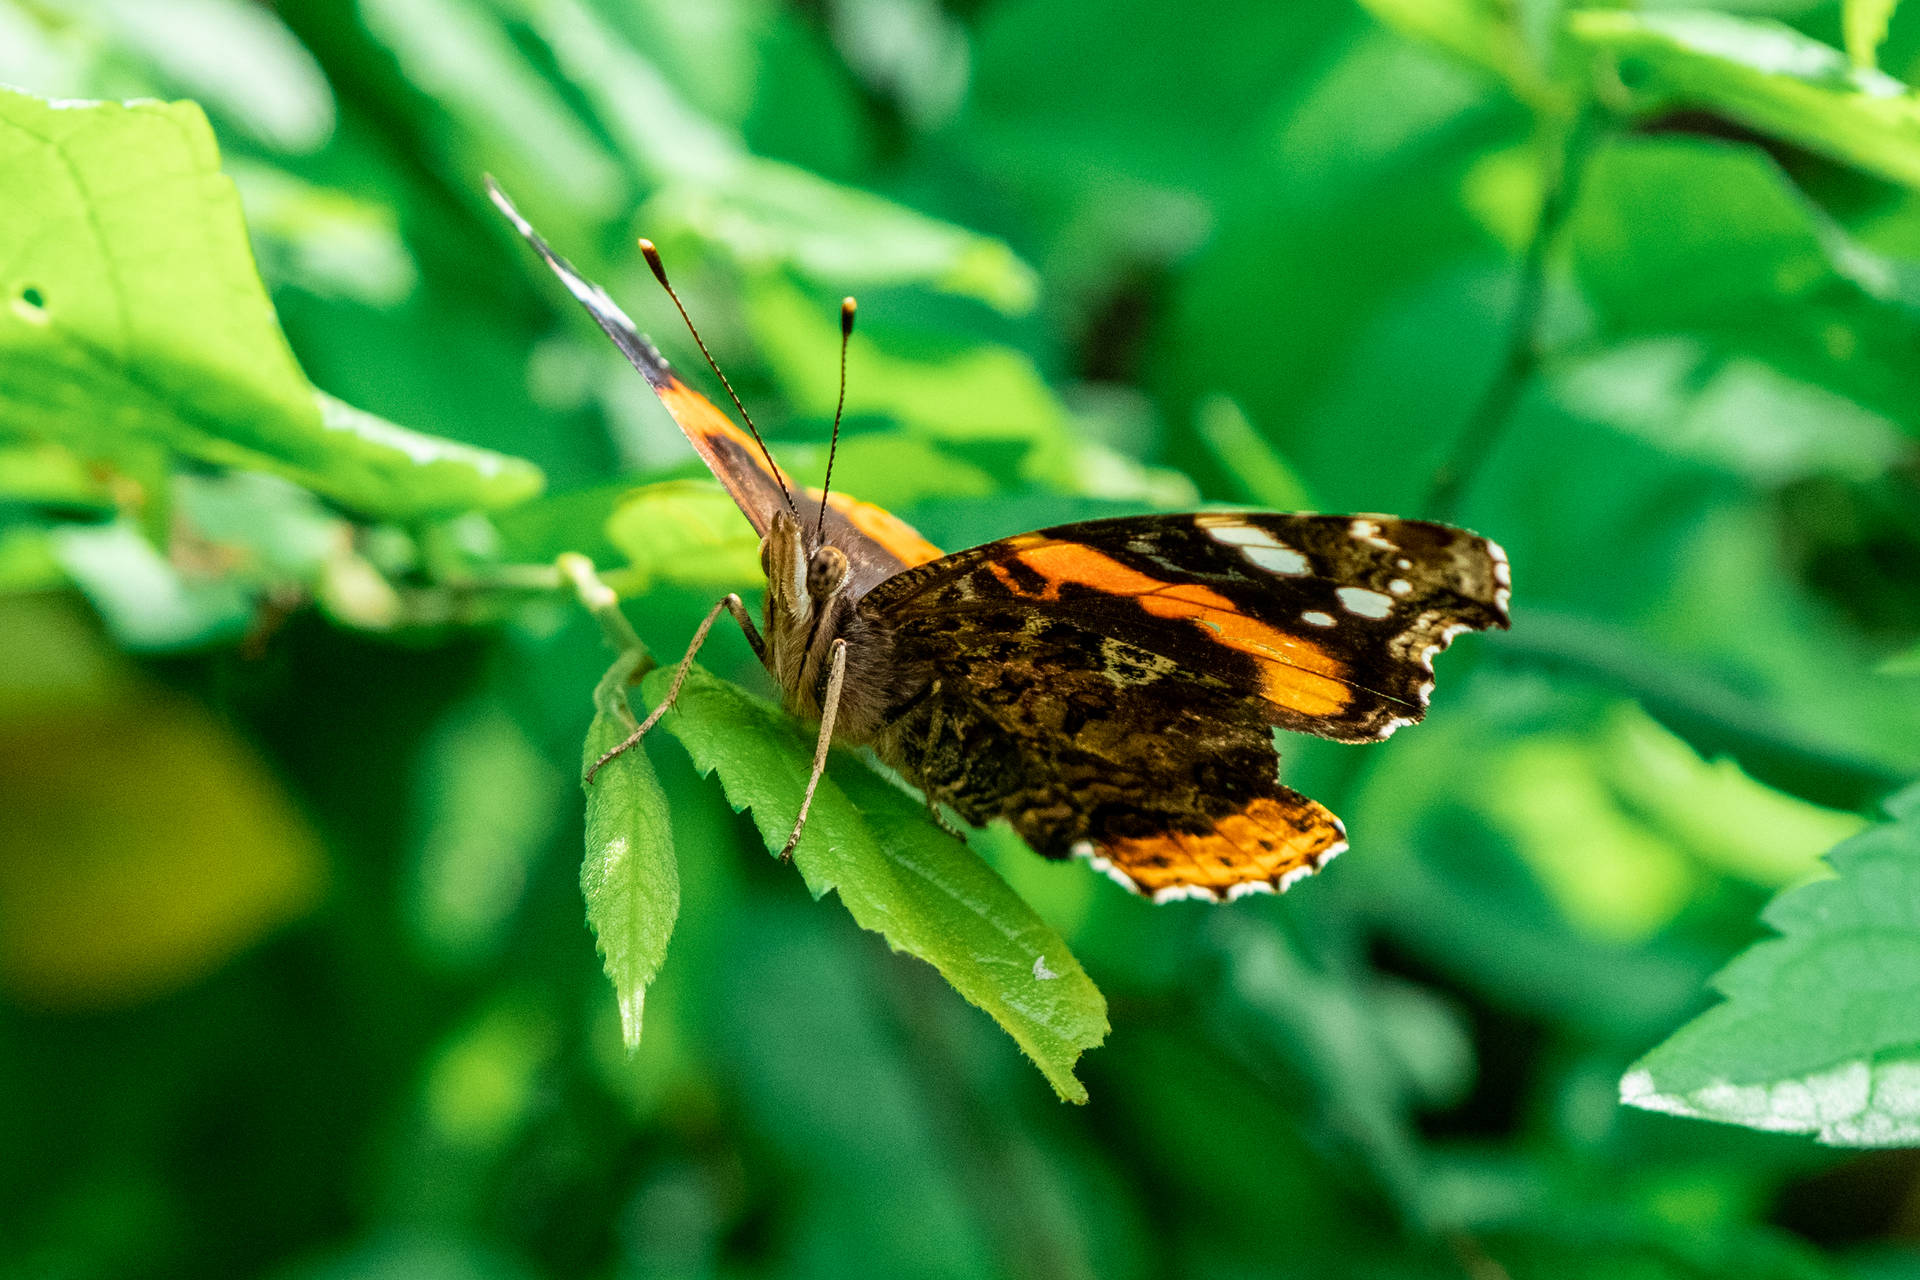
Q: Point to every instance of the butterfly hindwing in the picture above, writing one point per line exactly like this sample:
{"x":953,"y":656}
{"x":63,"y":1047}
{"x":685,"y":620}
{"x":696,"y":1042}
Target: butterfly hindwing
{"x":1110,"y":687}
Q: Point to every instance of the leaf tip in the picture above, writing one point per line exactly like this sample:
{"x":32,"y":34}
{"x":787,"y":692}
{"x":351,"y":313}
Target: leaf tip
{"x":632,"y":1002}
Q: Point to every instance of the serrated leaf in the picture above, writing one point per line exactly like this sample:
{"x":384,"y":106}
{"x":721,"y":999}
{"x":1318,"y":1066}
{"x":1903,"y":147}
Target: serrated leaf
{"x":630,"y":879}
{"x":1766,"y":76}
{"x":899,"y":875}
{"x":1820,"y":1031}
{"x":131,"y":316}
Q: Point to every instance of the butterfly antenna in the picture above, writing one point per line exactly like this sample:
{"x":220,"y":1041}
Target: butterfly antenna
{"x":652,"y":255}
{"x":847,"y":308}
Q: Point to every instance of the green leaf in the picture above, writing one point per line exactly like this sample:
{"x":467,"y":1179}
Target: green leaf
{"x":629,"y":878}
{"x":1766,"y":76}
{"x":686,"y":531}
{"x":146,"y":602}
{"x":131,"y":316}
{"x":493,"y":111}
{"x":1749,"y":265}
{"x":1820,"y":1031}
{"x":1864,"y":24}
{"x":1482,"y":33}
{"x":898,"y":874}
{"x":765,"y":214}
{"x":237,"y":58}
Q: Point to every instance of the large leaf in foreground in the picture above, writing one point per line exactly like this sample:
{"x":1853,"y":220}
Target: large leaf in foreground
{"x":131,"y":316}
{"x":1820,"y":1032}
{"x":629,"y":878}
{"x":900,"y":876}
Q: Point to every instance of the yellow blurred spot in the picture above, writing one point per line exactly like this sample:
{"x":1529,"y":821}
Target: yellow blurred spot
{"x":1729,"y":822}
{"x":1501,"y":191}
{"x":1622,"y":825}
{"x":482,"y":1081}
{"x":1609,"y":875}
{"x":144,"y":844}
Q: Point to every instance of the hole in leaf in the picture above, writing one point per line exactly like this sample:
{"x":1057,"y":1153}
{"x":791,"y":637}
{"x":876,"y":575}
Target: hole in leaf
{"x":30,"y":305}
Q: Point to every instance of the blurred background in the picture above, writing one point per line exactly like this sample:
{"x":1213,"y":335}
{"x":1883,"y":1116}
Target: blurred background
{"x":294,"y":980}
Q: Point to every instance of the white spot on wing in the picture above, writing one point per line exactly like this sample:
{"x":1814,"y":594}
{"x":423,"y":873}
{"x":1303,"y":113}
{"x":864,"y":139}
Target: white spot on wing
{"x":1240,"y":535}
{"x":1041,"y":971}
{"x":1403,"y":563}
{"x":1368,"y":531}
{"x":1399,"y":586}
{"x":1366,"y":603}
{"x":1277,"y":559}
{"x":1316,"y":618}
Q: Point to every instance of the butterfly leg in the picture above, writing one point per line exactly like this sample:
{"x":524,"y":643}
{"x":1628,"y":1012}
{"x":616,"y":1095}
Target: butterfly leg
{"x":731,"y":603}
{"x":829,"y":708}
{"x":940,"y":820}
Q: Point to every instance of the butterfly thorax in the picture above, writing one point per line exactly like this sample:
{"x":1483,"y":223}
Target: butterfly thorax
{"x":810,"y":604}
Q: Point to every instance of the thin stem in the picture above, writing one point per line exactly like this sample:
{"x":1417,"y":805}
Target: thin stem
{"x":1562,"y":160}
{"x":633,"y":660}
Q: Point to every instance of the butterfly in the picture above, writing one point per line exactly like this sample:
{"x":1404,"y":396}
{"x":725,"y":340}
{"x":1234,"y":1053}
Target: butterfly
{"x":1109,"y":688}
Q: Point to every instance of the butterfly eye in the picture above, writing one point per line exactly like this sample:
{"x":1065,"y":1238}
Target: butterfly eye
{"x":766,"y":557}
{"x":826,"y":571}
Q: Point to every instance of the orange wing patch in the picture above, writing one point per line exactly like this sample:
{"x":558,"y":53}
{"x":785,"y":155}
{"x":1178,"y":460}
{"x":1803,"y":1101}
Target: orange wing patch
{"x":1262,"y":849}
{"x":730,"y":453}
{"x":733,"y":456}
{"x":896,"y":537}
{"x":1296,"y":674}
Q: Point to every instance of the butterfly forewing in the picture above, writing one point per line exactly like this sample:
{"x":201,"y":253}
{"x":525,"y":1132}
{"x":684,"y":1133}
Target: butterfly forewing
{"x":1329,"y":624}
{"x":877,"y":543}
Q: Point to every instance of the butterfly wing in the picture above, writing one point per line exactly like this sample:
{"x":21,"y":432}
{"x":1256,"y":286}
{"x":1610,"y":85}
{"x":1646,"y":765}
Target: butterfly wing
{"x":1110,"y":687}
{"x":877,"y":543}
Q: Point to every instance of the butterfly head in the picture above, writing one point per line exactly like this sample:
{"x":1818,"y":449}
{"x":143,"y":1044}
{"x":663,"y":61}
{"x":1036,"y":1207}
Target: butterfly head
{"x":807,"y":583}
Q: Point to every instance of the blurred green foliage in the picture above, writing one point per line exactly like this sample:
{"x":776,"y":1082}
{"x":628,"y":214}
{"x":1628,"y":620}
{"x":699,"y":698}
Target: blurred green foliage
{"x":293,"y":981}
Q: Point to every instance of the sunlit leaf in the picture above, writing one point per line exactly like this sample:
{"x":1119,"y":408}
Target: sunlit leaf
{"x":238,"y":59}
{"x":145,"y":600}
{"x":1735,"y":413}
{"x":686,"y":531}
{"x":1818,"y":1030}
{"x":131,"y":317}
{"x":897,"y":873}
{"x":1865,"y":25}
{"x":1767,"y":76}
{"x":629,"y":878}
{"x":1751,"y":269}
{"x":506,"y":119}
{"x":761,"y":212}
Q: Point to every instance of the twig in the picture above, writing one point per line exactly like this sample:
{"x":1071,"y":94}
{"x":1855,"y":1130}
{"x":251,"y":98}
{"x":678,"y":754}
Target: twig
{"x":1562,"y":161}
{"x":633,"y":662}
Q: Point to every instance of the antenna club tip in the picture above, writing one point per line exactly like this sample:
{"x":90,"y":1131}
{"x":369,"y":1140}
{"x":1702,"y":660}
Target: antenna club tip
{"x":847,"y":308}
{"x":652,"y":255}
